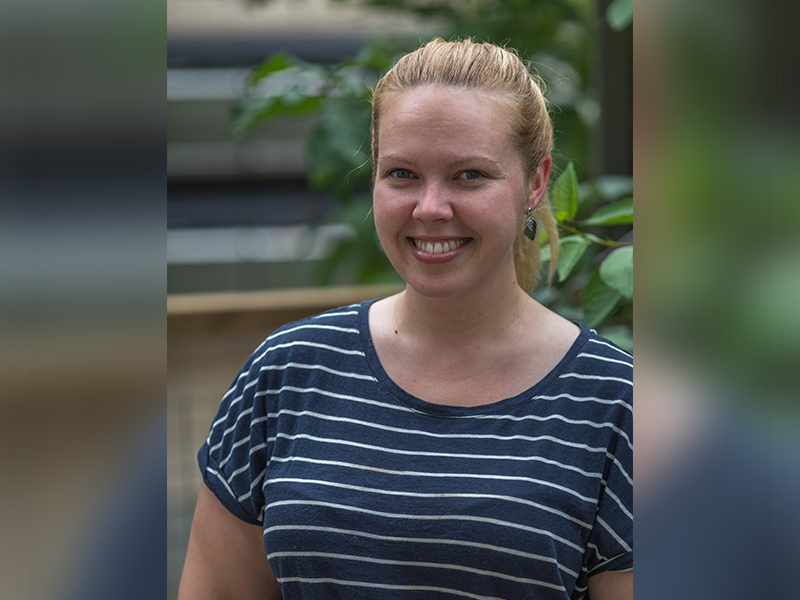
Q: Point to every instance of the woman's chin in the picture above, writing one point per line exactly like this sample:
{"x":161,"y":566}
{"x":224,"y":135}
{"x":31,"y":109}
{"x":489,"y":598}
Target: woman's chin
{"x":438,"y":287}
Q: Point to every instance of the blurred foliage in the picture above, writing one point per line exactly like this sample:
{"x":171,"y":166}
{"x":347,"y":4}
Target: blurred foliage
{"x":619,"y":14}
{"x":595,"y":264}
{"x":555,"y":36}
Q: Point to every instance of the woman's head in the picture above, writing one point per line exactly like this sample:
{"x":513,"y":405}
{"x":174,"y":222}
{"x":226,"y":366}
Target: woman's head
{"x":500,"y":73}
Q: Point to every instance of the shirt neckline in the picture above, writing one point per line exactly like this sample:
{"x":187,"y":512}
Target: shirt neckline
{"x":443,"y":410}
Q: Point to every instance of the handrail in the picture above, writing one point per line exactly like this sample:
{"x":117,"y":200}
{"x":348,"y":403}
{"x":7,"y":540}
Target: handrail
{"x":282,"y":299}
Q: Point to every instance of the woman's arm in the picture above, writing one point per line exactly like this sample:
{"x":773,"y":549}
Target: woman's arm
{"x":611,"y":585}
{"x":226,"y":557}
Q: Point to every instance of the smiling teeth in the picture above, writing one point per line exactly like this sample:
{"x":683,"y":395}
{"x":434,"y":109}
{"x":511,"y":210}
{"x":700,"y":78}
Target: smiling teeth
{"x":438,"y":247}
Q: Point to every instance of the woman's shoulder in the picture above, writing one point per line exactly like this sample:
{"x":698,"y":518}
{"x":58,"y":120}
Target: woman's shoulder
{"x":598,"y":368}
{"x":603,"y":355}
{"x":599,"y":346}
{"x":333,"y":332}
{"x":344,"y":319}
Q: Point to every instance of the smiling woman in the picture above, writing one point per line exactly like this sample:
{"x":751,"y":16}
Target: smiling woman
{"x":457,"y":439}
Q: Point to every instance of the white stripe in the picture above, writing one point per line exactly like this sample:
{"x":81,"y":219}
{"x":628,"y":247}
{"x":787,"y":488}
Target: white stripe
{"x":278,"y":367}
{"x":408,"y":563}
{"x":603,"y":358}
{"x":300,"y":343}
{"x":406,"y":540}
{"x":620,"y":350}
{"x":326,"y":327}
{"x":480,"y":436}
{"x":239,"y":471}
{"x":250,"y":453}
{"x":608,"y":560}
{"x":312,"y":345}
{"x":385,"y":586}
{"x":544,"y":532}
{"x":595,"y":378}
{"x":294,"y":365}
{"x":587,"y":399}
{"x":596,"y":551}
{"x":614,"y":497}
{"x":614,"y":534}
{"x":222,"y":480}
{"x":336,"y":314}
{"x":336,"y":463}
{"x":359,"y":488}
{"x":620,"y":467}
{"x":244,"y":440}
{"x":235,"y":400}
{"x":233,"y":386}
{"x":437,"y":454}
{"x":230,"y":429}
{"x":560,"y":418}
{"x":291,"y":388}
{"x":252,"y":486}
{"x":257,"y":448}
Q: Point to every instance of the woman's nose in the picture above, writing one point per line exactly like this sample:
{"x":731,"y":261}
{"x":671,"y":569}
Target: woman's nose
{"x":433,"y":204}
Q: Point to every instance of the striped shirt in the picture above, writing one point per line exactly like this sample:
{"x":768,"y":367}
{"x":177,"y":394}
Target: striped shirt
{"x":363,"y":489}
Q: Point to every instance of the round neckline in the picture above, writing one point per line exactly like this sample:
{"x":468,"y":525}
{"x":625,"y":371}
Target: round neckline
{"x":445,"y":410}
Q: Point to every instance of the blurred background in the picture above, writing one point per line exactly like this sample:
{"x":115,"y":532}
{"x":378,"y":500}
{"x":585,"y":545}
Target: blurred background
{"x":716,"y":141}
{"x":268,"y":202}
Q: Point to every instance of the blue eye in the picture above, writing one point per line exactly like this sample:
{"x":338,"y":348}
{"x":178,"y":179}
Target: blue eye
{"x":471,"y":174}
{"x":400,"y":173}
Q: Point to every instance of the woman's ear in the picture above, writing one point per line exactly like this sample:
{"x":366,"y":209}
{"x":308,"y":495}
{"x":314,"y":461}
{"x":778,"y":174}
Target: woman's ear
{"x":539,"y":181}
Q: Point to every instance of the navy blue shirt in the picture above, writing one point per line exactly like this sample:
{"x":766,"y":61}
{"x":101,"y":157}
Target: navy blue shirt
{"x":363,"y":489}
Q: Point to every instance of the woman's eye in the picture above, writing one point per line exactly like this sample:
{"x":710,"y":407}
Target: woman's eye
{"x":470,"y":175}
{"x":400,"y":173}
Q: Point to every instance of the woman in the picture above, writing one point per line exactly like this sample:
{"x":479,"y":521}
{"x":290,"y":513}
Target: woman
{"x":457,"y":439}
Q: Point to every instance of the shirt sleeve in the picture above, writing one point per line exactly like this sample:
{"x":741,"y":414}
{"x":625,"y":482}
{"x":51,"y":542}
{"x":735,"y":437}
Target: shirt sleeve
{"x":610,"y":546}
{"x":233,"y":460}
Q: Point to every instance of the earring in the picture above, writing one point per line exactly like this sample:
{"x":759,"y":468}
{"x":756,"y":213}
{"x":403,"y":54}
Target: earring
{"x":530,"y":225}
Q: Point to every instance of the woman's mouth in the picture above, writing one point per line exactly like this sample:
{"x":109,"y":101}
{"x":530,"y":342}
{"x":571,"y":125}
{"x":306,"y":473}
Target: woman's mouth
{"x":438,"y":247}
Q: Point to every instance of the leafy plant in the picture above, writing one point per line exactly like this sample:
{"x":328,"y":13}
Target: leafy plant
{"x":285,"y":86}
{"x":609,"y":282}
{"x":595,"y":270}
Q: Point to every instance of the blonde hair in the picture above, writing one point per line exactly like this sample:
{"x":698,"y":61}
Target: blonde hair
{"x":486,"y":67}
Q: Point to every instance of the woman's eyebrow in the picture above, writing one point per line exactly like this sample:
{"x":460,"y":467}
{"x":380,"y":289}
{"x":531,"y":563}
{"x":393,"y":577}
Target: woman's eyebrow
{"x":394,"y":158}
{"x":467,"y":160}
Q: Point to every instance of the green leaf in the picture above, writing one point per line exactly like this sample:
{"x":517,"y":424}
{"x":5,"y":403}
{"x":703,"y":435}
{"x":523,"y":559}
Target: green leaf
{"x":572,"y":248}
{"x":617,"y":271}
{"x":615,"y":213}
{"x":276,"y":62}
{"x":619,"y":14}
{"x":565,"y":195}
{"x":599,"y":300}
{"x":249,"y":113}
{"x":611,"y":187}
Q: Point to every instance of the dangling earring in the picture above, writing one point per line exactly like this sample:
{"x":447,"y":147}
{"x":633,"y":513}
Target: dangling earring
{"x":530,"y":225}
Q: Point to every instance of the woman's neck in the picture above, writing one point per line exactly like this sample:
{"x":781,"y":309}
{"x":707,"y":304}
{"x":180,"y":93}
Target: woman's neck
{"x":460,"y":320}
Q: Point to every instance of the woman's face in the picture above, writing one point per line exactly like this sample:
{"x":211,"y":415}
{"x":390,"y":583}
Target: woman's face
{"x":450,"y":190}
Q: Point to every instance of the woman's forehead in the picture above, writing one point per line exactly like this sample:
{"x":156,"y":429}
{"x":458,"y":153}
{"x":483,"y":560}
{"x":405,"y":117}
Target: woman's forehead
{"x":453,"y":101}
{"x":438,"y":115}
